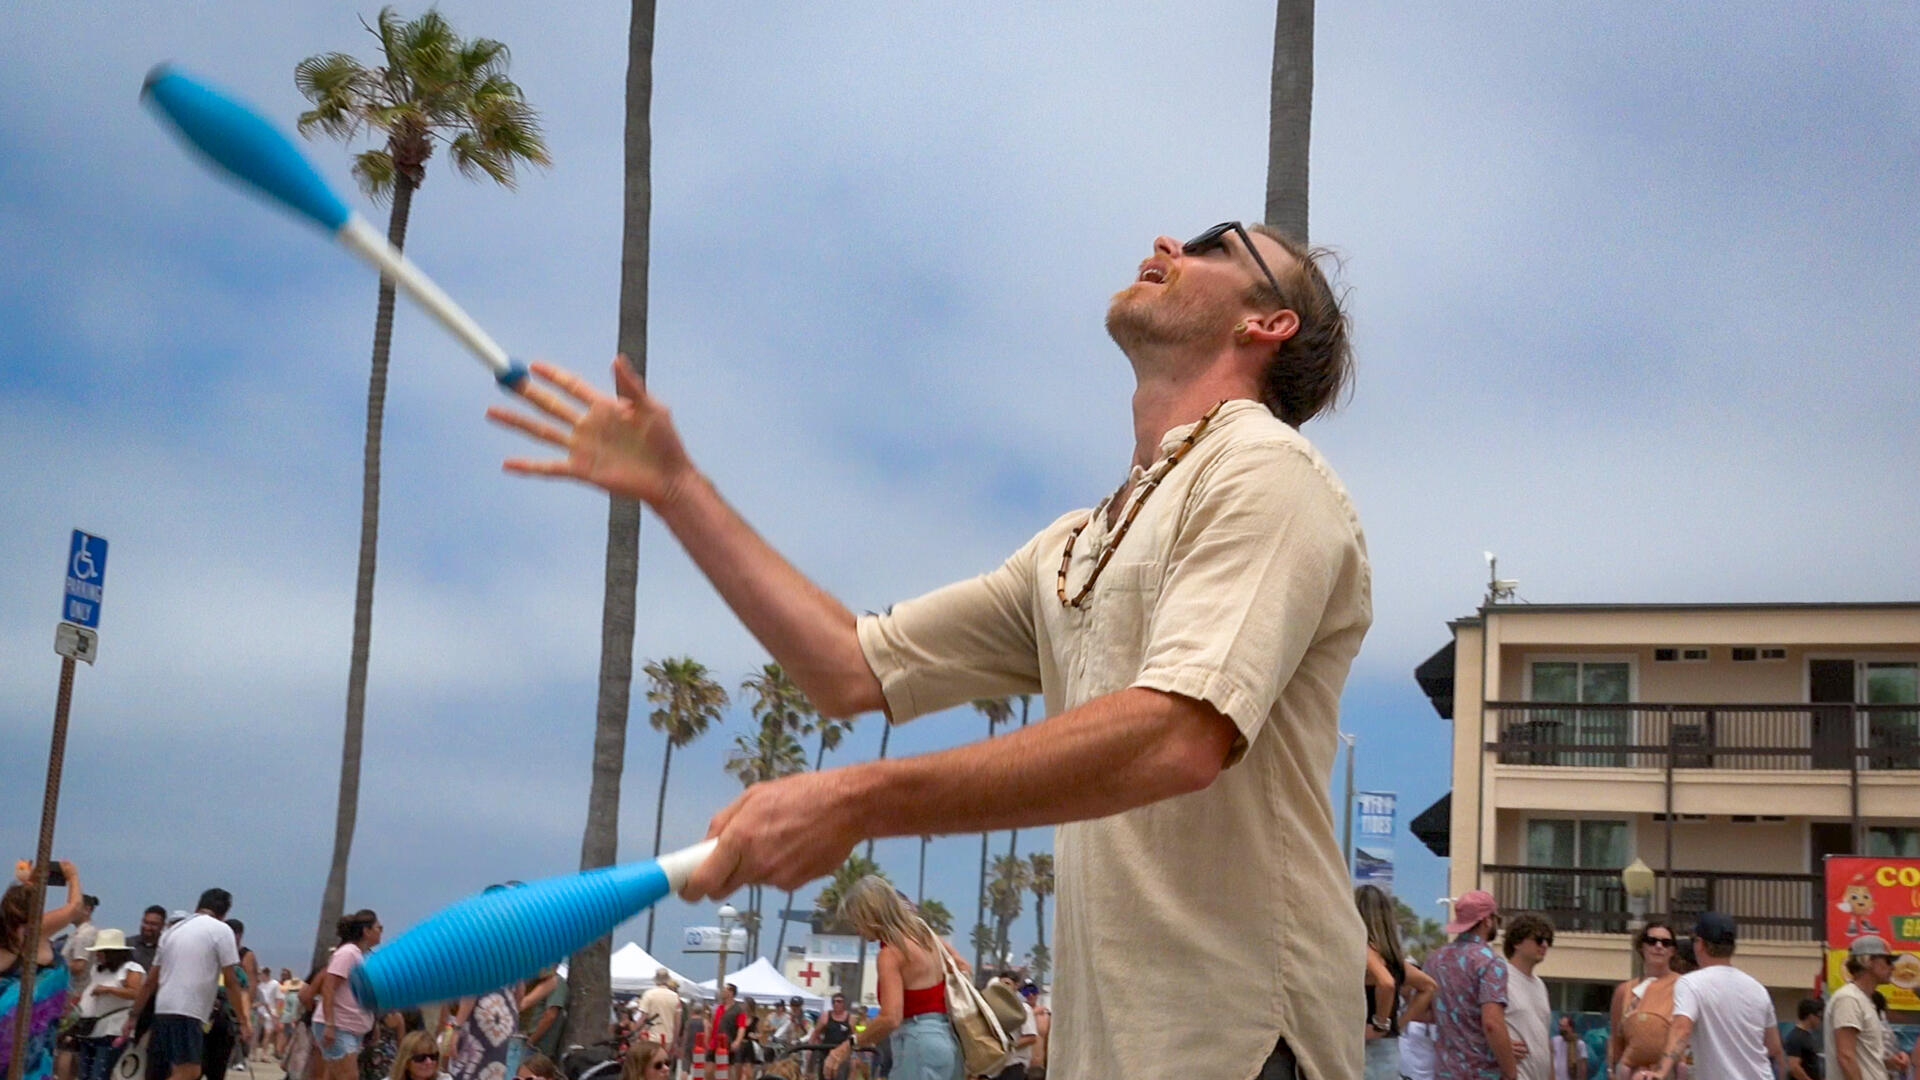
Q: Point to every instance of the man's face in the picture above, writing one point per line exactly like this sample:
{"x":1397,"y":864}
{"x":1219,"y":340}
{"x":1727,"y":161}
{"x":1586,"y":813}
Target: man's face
{"x":150,"y":926}
{"x":1533,"y":950}
{"x":839,"y":1003}
{"x":1178,"y":299}
{"x":1882,"y":968}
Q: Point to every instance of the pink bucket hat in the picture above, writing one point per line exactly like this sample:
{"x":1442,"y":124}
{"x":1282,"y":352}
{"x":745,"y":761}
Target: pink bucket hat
{"x":1470,"y":908}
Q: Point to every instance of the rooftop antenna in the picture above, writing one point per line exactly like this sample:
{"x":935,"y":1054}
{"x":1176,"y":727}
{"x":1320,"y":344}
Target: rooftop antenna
{"x":1499,"y":590}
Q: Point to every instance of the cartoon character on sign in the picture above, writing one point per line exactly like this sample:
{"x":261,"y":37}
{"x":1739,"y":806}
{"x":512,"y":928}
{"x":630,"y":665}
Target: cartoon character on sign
{"x":1857,"y":902}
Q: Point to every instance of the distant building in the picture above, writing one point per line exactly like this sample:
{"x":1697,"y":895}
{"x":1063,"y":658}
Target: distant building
{"x":1730,"y":747}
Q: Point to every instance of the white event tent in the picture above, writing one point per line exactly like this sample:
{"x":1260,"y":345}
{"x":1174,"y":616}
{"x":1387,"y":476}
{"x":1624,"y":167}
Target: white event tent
{"x":633,"y":972}
{"x":761,"y":982}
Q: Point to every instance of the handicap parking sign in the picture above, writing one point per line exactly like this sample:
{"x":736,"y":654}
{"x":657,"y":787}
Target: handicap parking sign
{"x":86,"y":580}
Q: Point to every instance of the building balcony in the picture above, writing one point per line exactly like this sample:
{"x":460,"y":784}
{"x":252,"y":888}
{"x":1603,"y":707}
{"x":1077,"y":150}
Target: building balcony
{"x":1843,"y":739}
{"x":1768,"y":907}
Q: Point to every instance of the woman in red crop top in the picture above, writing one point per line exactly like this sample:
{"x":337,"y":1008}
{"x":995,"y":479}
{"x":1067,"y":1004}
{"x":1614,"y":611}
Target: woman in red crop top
{"x":912,"y":986}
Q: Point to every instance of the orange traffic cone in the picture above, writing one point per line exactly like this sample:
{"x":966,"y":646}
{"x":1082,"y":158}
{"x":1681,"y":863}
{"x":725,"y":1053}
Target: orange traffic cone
{"x":720,"y":1058}
{"x":699,"y":1070}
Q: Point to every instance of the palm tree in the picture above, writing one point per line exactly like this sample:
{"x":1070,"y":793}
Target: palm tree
{"x":773,"y":752}
{"x":434,"y":88}
{"x":1290,"y":117}
{"x":827,"y":900}
{"x":997,"y":711}
{"x":1004,"y":896}
{"x":939,"y":919}
{"x":1041,"y":961}
{"x":981,"y":938}
{"x":688,"y":701}
{"x":589,"y":975}
{"x":831,"y":731}
{"x":1040,"y":883}
{"x":1013,"y":835}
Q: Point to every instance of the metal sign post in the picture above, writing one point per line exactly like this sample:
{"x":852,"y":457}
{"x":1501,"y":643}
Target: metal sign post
{"x":74,"y":640}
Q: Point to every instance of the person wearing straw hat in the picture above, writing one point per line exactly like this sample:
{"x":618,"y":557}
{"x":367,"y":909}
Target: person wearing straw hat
{"x":113,"y":983}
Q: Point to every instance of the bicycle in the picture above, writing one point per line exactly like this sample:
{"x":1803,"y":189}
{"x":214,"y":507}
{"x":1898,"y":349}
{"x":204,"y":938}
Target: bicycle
{"x":786,"y":1062}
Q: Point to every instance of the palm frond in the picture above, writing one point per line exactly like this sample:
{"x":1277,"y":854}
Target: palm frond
{"x":375,"y":171}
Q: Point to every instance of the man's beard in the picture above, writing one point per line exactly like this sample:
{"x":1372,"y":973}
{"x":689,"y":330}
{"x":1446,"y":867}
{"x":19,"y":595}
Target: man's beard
{"x":1169,"y":319}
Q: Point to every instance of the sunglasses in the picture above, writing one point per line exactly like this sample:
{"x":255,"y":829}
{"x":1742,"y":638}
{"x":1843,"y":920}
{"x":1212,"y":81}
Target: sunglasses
{"x":1216,"y":238}
{"x":417,"y":1058}
{"x":1662,"y":942}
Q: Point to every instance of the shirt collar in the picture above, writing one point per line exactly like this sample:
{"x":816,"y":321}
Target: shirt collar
{"x":1228,"y":411}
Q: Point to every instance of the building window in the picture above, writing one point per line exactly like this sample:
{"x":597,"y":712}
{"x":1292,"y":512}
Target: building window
{"x":1892,"y":735}
{"x":1587,"y":682}
{"x":1577,"y":901}
{"x":1892,"y":841}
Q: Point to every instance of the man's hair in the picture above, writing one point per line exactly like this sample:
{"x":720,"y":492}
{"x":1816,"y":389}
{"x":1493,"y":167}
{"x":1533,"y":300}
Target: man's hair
{"x":1857,"y":964}
{"x":1714,"y":949}
{"x":1525,"y":927}
{"x":155,"y":909}
{"x":238,"y":927}
{"x":90,"y":900}
{"x":1311,"y":368}
{"x":217,"y":901}
{"x":1810,"y":1007}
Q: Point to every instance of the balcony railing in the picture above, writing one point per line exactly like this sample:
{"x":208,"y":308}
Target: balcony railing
{"x":1849,"y":738}
{"x":1775,"y":907}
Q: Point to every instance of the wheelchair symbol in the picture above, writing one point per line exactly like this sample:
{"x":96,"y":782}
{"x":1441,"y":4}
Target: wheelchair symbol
{"x":83,"y":567}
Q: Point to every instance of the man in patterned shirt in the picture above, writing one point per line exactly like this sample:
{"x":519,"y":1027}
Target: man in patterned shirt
{"x":1470,"y":1007}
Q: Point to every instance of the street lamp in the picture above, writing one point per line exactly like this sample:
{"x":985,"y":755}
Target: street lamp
{"x":1638,"y":880}
{"x":1346,"y":816}
{"x":727,"y":918}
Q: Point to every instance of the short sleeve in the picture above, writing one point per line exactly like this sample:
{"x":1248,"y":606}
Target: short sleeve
{"x":1264,"y":545}
{"x":342,"y":961}
{"x":1492,"y":981}
{"x":1686,"y":998}
{"x":971,"y":639}
{"x":1844,"y":1011}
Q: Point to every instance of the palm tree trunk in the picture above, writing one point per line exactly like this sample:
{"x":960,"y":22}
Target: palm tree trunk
{"x":589,"y":977}
{"x":780,"y":939}
{"x":860,"y":968}
{"x":1040,"y":920}
{"x":659,"y":818}
{"x":980,"y":918}
{"x":334,"y":899}
{"x":1013,"y":835}
{"x":1290,"y":118}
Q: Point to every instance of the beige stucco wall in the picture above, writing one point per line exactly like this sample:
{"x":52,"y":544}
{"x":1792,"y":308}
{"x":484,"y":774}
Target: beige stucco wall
{"x":1468,"y":738}
{"x":1719,"y":679}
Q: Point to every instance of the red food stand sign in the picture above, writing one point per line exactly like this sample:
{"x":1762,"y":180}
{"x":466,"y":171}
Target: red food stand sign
{"x":1868,"y":895}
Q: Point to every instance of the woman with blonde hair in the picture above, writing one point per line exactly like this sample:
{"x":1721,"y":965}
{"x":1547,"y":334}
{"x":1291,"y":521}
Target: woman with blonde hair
{"x":912,"y":986}
{"x":1391,"y":979}
{"x":416,"y":1058}
{"x":646,"y":1061}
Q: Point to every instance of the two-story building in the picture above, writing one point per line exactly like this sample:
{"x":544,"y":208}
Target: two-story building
{"x":1729,"y":747}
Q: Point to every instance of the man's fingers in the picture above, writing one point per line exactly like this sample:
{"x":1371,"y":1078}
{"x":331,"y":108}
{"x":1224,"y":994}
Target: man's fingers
{"x":549,"y":402}
{"x":581,"y":390}
{"x":541,"y":430}
{"x":530,"y":467}
{"x":706,"y":880}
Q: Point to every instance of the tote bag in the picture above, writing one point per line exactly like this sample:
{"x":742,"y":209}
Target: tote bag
{"x":983,"y":1042}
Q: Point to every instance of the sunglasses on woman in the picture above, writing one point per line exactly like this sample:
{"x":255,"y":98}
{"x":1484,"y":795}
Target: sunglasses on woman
{"x":429,"y":1056}
{"x":1661,"y":942}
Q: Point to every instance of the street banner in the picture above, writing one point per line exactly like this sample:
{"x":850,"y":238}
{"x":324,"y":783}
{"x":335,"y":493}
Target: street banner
{"x":1373,"y":847}
{"x":1878,"y":896}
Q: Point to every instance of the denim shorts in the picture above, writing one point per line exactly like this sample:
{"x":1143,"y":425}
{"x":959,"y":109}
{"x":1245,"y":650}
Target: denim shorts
{"x":344,"y":1042}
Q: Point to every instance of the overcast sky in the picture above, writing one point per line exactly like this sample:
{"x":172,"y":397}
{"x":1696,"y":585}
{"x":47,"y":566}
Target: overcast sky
{"x":1634,"y":292}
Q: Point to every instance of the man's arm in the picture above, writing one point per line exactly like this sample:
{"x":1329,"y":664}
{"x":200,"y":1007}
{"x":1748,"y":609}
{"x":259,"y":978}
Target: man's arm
{"x":1493,"y":1022}
{"x":1116,"y":752}
{"x":242,"y":1001}
{"x":627,"y":446}
{"x":1846,"y":1052}
{"x":1770,"y":1035}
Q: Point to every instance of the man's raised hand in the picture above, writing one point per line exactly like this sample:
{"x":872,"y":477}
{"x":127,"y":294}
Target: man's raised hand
{"x":624,"y":445}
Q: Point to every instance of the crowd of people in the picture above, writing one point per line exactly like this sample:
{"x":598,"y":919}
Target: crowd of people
{"x":1478,"y":1010}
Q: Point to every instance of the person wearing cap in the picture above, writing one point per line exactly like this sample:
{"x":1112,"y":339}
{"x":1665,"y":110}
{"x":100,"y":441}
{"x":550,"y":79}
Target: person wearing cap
{"x":1725,"y":1014}
{"x":1471,"y":1041}
{"x":1858,"y":1045}
{"x":113,"y":983}
{"x":660,"y":1008}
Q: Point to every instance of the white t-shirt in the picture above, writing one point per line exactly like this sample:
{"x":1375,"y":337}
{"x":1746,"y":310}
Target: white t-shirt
{"x":1731,"y":1013}
{"x":1530,"y":1018}
{"x":78,"y":943}
{"x":1850,"y":1007}
{"x":1021,"y":1055}
{"x":94,"y":1004}
{"x":1416,"y":1051}
{"x":266,"y":997}
{"x":190,"y":959}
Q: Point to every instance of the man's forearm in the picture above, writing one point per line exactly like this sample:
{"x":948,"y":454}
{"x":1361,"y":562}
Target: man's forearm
{"x":1111,"y":754}
{"x":809,"y":632}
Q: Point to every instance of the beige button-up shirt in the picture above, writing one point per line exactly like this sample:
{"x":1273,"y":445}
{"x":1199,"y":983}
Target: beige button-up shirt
{"x":1243,"y":583}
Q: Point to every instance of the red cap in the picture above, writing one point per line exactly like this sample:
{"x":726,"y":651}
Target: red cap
{"x":1470,"y":909}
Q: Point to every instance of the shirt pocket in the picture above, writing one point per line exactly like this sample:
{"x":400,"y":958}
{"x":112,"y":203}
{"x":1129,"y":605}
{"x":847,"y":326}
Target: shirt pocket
{"x":1121,"y":616}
